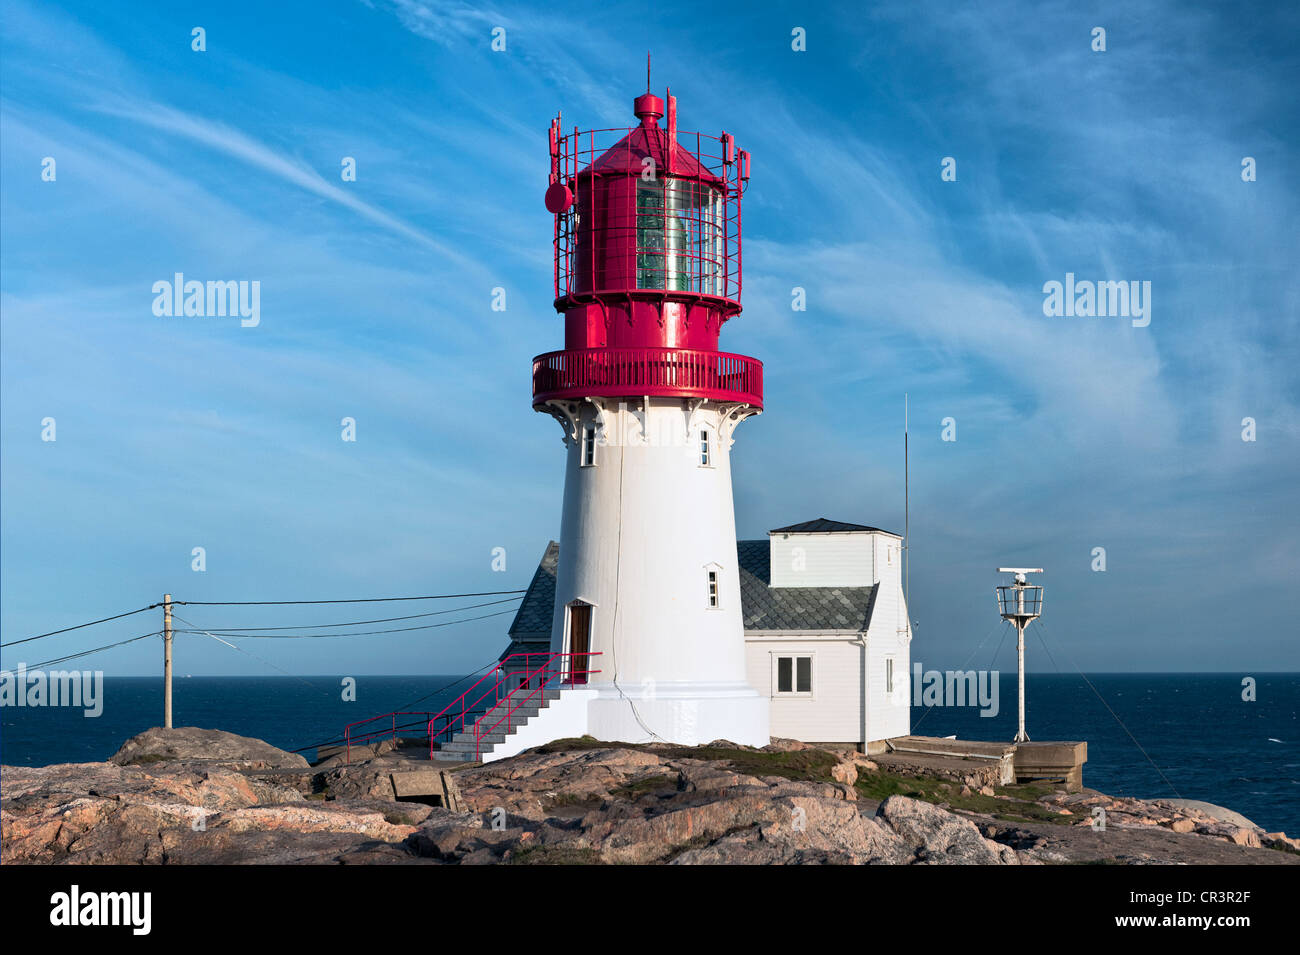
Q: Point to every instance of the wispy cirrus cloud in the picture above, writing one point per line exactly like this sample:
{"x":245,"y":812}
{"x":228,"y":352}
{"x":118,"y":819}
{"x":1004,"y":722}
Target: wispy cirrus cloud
{"x":237,"y":145}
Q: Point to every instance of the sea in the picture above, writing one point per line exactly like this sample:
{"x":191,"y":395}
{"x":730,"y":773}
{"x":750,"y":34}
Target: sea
{"x":1149,"y":735}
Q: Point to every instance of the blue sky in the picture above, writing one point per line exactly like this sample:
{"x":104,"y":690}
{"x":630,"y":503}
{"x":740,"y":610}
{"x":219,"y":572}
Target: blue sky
{"x":1072,"y":433}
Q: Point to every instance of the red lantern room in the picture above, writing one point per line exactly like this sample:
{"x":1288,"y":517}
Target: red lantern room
{"x":647,"y":262}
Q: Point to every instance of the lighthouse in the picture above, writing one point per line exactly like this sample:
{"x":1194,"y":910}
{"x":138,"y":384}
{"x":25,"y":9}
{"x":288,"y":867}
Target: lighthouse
{"x":647,"y":611}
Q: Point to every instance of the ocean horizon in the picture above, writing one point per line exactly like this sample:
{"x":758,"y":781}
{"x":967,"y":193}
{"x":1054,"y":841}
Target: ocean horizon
{"x":1192,"y":734}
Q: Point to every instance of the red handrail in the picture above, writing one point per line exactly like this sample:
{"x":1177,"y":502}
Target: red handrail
{"x":546,"y":676}
{"x":578,"y":372}
{"x":461,"y":709}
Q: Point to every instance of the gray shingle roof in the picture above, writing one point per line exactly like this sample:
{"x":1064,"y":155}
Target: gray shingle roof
{"x":795,"y":608}
{"x":534,"y":614}
{"x":824,"y":525}
{"x":763,"y":607}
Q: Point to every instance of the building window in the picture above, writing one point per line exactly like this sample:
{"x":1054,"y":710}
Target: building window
{"x":713,"y":588}
{"x":889,"y":674}
{"x":588,"y":447}
{"x":704,"y":447}
{"x":794,"y":676}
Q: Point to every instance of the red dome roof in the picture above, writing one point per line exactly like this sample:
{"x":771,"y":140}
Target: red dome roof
{"x":626,"y":155}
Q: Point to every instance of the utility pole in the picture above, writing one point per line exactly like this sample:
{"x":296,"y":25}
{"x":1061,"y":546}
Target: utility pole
{"x":167,"y":661}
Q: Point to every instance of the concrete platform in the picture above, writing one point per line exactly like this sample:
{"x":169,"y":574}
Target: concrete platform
{"x":990,"y":764}
{"x":994,"y":764}
{"x":1052,"y":760}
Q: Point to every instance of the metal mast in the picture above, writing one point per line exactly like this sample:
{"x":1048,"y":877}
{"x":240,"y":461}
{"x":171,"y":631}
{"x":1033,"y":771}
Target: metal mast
{"x":1020,"y":602}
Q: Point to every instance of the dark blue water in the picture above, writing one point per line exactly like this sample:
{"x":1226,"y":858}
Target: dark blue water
{"x":294,"y":713}
{"x":1208,"y":742}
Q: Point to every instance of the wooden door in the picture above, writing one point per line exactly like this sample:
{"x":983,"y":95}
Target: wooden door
{"x":579,"y":642}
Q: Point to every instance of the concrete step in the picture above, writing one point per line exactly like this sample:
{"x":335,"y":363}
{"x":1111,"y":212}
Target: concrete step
{"x":535,"y":702}
{"x":464,"y":747}
{"x":503,"y":719}
{"x":550,"y":693}
{"x":455,"y":757}
{"x":462,"y":741}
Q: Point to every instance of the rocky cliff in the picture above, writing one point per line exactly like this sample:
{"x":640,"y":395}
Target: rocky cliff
{"x":191,"y":796}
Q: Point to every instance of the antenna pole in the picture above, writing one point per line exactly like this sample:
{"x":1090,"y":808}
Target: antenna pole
{"x":1020,"y":602}
{"x":647,"y":71}
{"x":907,"y":593}
{"x":1021,"y":735}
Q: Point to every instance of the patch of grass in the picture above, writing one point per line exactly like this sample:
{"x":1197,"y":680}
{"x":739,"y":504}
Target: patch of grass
{"x":573,"y":800}
{"x":813,"y":765}
{"x":810,"y":765}
{"x":579,"y":743}
{"x":401,"y":819}
{"x":880,"y":785}
{"x":1021,"y":807}
{"x":560,"y":854}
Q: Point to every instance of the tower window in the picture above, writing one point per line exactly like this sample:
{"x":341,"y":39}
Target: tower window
{"x":889,"y":674}
{"x":794,"y":676}
{"x":713,"y":588}
{"x":588,"y":447}
{"x":704,"y":447}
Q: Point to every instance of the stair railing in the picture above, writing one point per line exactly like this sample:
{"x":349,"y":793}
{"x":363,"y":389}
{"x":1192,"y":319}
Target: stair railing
{"x":542,"y":677}
{"x":502,"y":684}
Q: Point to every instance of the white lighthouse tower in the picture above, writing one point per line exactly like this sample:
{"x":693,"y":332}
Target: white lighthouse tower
{"x":647,"y":612}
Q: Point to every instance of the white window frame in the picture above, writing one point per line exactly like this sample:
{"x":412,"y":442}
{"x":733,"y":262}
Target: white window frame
{"x":705,"y":448}
{"x":889,"y":675}
{"x":794,"y":692}
{"x":713,"y":586}
{"x":587,"y":447}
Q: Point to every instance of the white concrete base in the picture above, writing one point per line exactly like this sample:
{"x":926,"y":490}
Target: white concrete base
{"x":565,"y":718}
{"x":690,"y":714}
{"x":686,"y":713}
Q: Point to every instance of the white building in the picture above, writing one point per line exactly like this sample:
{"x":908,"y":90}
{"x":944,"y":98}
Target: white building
{"x":826,"y":640}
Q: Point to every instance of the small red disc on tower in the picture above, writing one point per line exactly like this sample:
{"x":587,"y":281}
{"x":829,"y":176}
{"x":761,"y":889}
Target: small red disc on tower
{"x":558,"y":198}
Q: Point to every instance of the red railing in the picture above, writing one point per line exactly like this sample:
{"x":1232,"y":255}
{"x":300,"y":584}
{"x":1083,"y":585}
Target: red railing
{"x":577,"y":373}
{"x":353,"y":735}
{"x":712,"y":247}
{"x":473,"y":704}
{"x":559,"y":668}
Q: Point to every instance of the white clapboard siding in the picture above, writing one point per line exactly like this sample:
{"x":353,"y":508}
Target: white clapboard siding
{"x":834,"y":711}
{"x":888,"y":715}
{"x":822,"y":560}
{"x":850,"y":702}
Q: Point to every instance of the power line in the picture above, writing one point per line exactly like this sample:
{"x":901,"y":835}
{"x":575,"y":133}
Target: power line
{"x":253,"y":655}
{"x":1097,"y":693}
{"x":357,"y":623}
{"x":355,"y":633}
{"x":983,"y":640}
{"x":41,"y":636}
{"x":267,"y":603}
{"x":356,"y":600}
{"x":86,"y":653}
{"x":405,"y":706}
